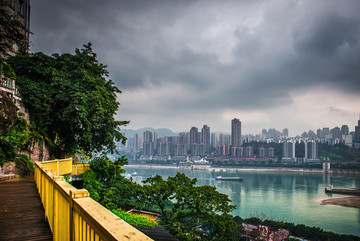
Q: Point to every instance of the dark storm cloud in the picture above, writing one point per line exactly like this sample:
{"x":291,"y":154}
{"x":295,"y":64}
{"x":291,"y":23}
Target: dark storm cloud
{"x":288,"y":46}
{"x":328,"y":35}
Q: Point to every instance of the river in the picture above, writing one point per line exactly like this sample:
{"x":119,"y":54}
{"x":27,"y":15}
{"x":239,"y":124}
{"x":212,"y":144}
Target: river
{"x":287,"y":196}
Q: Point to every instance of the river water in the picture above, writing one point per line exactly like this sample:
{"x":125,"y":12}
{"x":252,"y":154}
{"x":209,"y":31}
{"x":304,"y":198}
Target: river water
{"x":287,"y":196}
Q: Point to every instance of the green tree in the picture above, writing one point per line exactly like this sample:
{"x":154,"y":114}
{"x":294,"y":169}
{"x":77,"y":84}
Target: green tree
{"x":184,"y":207}
{"x":70,"y":99}
{"x":107,"y":185}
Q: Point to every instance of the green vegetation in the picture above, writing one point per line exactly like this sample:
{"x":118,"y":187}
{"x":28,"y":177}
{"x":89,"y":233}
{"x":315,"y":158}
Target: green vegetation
{"x":184,"y":205}
{"x":18,"y":138}
{"x":108,"y":186}
{"x":70,"y":100}
{"x":339,"y":153}
{"x":134,"y":220}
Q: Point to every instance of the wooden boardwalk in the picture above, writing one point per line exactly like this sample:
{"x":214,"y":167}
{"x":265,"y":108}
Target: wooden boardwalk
{"x":22,"y":216}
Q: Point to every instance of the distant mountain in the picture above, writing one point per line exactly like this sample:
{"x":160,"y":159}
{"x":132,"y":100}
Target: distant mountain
{"x":161,"y":132}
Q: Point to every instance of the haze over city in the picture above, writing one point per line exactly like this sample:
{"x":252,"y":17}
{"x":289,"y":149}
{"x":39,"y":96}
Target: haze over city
{"x":272,"y":64}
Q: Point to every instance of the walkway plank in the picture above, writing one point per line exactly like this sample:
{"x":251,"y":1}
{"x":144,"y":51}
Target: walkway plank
{"x":22,"y":216}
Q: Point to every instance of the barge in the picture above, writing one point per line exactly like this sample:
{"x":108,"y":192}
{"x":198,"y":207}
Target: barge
{"x":220,"y":178}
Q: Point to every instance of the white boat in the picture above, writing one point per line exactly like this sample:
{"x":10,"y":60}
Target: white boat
{"x":221,"y":178}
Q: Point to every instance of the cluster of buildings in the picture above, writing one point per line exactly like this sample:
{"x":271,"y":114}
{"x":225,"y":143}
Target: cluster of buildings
{"x":198,"y":143}
{"x":311,"y":153}
{"x":333,"y":136}
{"x":195,"y":144}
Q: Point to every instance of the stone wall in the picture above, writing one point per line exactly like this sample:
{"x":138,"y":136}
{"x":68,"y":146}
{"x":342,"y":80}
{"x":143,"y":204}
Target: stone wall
{"x":8,"y":168}
{"x":39,"y":151}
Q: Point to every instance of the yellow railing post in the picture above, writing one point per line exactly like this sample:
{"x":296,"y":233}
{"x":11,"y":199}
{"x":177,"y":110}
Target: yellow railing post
{"x":74,"y":224}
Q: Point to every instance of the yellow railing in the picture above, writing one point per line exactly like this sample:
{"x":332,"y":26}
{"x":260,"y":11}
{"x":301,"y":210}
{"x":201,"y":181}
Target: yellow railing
{"x":65,"y":166}
{"x":73,"y":215}
{"x":59,"y":167}
{"x":80,"y":168}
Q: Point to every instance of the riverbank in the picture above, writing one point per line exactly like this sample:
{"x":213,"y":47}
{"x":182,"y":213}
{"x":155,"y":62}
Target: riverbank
{"x":257,"y":169}
{"x":352,"y":202}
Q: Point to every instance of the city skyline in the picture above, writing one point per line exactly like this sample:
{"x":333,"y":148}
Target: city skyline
{"x":273,"y":64}
{"x":344,"y":130}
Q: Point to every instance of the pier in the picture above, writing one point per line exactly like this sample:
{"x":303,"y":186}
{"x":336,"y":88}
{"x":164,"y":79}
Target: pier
{"x":330,"y":189}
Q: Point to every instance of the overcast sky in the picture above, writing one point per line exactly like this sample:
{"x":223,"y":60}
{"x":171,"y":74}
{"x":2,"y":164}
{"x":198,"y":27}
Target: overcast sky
{"x":271,"y":63}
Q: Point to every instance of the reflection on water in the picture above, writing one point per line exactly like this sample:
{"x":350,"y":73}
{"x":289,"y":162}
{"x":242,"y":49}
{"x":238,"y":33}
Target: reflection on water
{"x":292,"y":197}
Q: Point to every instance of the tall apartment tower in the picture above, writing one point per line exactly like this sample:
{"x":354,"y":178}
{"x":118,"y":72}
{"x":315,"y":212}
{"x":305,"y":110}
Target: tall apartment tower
{"x":236,"y":132}
{"x":288,"y":150}
{"x":136,"y":146}
{"x":148,"y":136}
{"x":345,"y":130}
{"x":357,"y":135}
{"x":194,"y":136}
{"x":214,"y":140}
{"x":285,"y":132}
{"x":311,"y":151}
{"x":205,"y":137}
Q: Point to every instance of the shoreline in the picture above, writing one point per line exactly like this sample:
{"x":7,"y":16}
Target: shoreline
{"x":351,"y":202}
{"x":261,"y":169}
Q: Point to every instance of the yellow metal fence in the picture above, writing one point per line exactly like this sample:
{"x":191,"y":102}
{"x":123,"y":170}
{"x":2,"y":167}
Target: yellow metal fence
{"x":73,"y":215}
{"x":65,"y":167}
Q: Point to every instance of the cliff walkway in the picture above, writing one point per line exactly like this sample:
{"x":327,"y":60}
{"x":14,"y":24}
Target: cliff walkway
{"x":21,"y":212}
{"x":45,"y":207}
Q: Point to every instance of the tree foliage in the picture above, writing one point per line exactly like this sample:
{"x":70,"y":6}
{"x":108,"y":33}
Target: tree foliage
{"x":70,"y":99}
{"x":134,"y":220}
{"x":185,"y":206}
{"x":108,"y":186}
{"x":18,"y":138}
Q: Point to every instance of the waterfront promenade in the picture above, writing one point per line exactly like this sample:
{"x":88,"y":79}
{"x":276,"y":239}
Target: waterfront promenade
{"x":22,"y":216}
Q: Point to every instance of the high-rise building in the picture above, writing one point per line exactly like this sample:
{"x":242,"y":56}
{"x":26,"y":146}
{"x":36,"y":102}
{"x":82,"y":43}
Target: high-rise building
{"x":214,"y":140}
{"x":357,"y":135}
{"x":249,"y":153}
{"x":285,"y":132}
{"x":336,"y":133}
{"x":288,"y":150}
{"x":236,"y":132}
{"x":148,"y":136}
{"x":205,"y":138}
{"x":325,"y":133}
{"x":194,"y":136}
{"x":136,"y":146}
{"x":319,"y":133}
{"x":345,"y":130}
{"x":148,"y":144}
{"x":311,"y":151}
{"x":224,"y":150}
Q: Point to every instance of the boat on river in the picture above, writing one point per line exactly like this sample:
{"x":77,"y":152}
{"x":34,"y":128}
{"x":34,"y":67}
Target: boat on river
{"x":221,"y":178}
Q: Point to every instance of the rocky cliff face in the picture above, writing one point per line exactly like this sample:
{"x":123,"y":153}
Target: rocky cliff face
{"x":8,"y":112}
{"x":37,"y":151}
